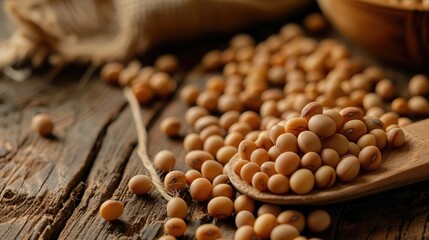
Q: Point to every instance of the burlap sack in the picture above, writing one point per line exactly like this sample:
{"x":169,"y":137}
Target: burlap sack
{"x":102,"y":30}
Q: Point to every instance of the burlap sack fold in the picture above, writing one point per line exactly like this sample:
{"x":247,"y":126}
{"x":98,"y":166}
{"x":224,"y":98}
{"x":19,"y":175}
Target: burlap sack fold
{"x":103,"y":30}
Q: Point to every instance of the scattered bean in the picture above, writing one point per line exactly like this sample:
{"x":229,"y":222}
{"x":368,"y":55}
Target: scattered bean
{"x":43,"y":124}
{"x":111,"y":210}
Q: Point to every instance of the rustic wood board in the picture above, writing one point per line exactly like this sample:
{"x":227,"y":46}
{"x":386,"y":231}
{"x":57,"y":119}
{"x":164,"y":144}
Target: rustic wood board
{"x":52,"y":188}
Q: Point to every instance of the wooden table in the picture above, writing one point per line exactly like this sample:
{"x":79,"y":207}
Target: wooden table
{"x":53,"y":187}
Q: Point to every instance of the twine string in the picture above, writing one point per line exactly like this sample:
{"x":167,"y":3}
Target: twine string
{"x":142,"y":143}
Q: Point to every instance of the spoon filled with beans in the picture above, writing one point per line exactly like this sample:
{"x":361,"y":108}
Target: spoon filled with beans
{"x":319,"y":162}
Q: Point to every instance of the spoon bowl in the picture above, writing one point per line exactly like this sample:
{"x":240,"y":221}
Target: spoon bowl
{"x":400,"y":166}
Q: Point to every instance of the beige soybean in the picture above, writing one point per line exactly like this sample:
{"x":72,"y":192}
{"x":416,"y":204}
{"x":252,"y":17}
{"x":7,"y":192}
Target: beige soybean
{"x":330,"y":157}
{"x":167,"y":63}
{"x":111,"y":210}
{"x":212,"y":144}
{"x":259,"y":156}
{"x":273,"y":153}
{"x":196,"y":158}
{"x":222,"y":189}
{"x":311,"y":109}
{"x":284,"y":232}
{"x":162,"y":84}
{"x":375,"y":112}
{"x":208,"y":100}
{"x":296,"y":125}
{"x":223,"y":178}
{"x":263,"y":141}
{"x":234,"y":139}
{"x":322,"y":125}
{"x":372,"y":100}
{"x":245,"y":233}
{"x":144,"y":75}
{"x":175,"y":180}
{"x":189,"y":94}
{"x":239,"y":165}
{"x":192,"y":142}
{"x":380,"y":137}
{"x":396,"y":137}
{"x":200,"y":189}
{"x":143,"y":92}
{"x":287,"y":142}
{"x":195,"y":113}
{"x":177,"y":207}
{"x":242,"y":203}
{"x":400,"y":106}
{"x":260,"y":181}
{"x":208,"y":232}
{"x":225,"y":153}
{"x":191,"y":175}
{"x":268,"y":168}
{"x":325,"y":177}
{"x":336,"y":116}
{"x":140,"y":184}
{"x":418,"y":105}
{"x":366,"y":140}
{"x":354,"y":149}
{"x":403,"y":121}
{"x":205,"y":122}
{"x":244,"y":218}
{"x":42,"y":123}
{"x":302,"y":181}
{"x":351,"y":113}
{"x":253,"y":136}
{"x":389,"y":118}
{"x":210,"y":169}
{"x":369,"y":158}
{"x":220,"y":207}
{"x":164,"y":160}
{"x":373,"y":123}
{"x":171,"y":126}
{"x":246,"y":148}
{"x":251,"y":118}
{"x":175,"y":226}
{"x":318,"y":221}
{"x":240,"y":127}
{"x":309,"y":142}
{"x":275,"y":132}
{"x":287,"y":163}
{"x":269,"y":208}
{"x":311,"y":161}
{"x":278,"y":184}
{"x":216,"y":84}
{"x":228,"y":102}
{"x":110,"y":72}
{"x":292,"y":217}
{"x":353,"y":130}
{"x":385,"y":88}
{"x":348,"y":168}
{"x":228,"y":119}
{"x":418,"y":85}
{"x":264,"y":224}
{"x":248,"y":170}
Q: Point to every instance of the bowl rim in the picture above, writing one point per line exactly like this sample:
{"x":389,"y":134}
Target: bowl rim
{"x":395,"y":6}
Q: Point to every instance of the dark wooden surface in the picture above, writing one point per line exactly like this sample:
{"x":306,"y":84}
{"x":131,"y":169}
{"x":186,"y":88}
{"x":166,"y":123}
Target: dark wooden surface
{"x":52,"y":188}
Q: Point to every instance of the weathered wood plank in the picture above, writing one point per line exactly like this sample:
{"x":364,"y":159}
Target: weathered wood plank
{"x":41,"y":173}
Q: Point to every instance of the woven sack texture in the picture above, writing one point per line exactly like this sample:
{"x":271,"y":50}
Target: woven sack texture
{"x":97,"y":31}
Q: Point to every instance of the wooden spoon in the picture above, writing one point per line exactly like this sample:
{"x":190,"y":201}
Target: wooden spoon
{"x":400,"y":166}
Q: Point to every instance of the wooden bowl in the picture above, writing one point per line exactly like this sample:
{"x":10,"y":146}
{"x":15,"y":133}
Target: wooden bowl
{"x":394,"y":33}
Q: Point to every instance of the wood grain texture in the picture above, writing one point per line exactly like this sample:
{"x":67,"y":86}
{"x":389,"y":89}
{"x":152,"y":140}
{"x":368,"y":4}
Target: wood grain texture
{"x":39,"y":174}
